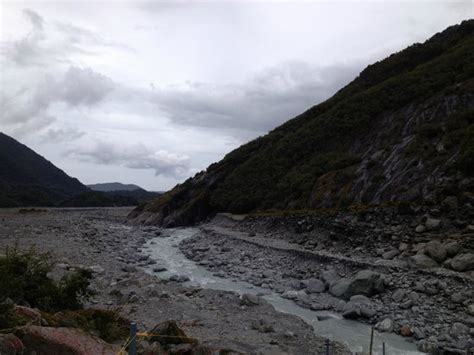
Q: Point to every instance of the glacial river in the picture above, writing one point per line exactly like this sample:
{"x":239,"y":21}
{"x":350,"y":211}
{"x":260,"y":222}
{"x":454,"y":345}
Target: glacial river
{"x":354,"y":334}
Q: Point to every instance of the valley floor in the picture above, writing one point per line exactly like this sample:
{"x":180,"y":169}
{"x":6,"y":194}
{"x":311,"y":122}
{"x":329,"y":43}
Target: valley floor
{"x":100,"y":239}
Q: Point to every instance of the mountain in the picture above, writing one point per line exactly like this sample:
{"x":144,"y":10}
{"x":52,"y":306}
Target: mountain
{"x":28,"y":179}
{"x":402,"y":131}
{"x":99,"y":199}
{"x":113,"y":186}
{"x":117,"y":192}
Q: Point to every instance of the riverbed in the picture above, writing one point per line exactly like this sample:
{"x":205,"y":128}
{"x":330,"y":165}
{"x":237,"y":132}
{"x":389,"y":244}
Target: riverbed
{"x":165,"y":251}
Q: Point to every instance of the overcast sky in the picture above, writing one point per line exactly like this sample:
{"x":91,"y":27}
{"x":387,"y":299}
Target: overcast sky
{"x":153,"y":92}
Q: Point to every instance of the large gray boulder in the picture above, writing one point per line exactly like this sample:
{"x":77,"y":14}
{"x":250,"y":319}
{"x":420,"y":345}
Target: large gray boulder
{"x":339,"y":288}
{"x":463,"y":262}
{"x":365,"y":282}
{"x":436,"y":251}
{"x":432,"y":224}
{"x":459,"y":330}
{"x":247,"y":299}
{"x":315,"y":286}
{"x":423,"y":261}
{"x":330,"y":277}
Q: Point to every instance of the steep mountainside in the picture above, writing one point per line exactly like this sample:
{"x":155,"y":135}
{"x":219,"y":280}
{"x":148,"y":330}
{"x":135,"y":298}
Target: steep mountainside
{"x":401,"y":131}
{"x":113,"y":186}
{"x":28,"y":179}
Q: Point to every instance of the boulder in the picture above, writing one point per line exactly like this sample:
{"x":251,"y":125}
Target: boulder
{"x":423,"y":261}
{"x":463,"y":262}
{"x":459,"y":330}
{"x":390,"y":254}
{"x":452,"y":248}
{"x":451,"y":203}
{"x":429,"y":345}
{"x":470,"y":309}
{"x":169,"y":333}
{"x":351,"y":311}
{"x":365,"y":283}
{"x":420,"y":229}
{"x":179,"y":278}
{"x":11,"y":345}
{"x":367,"y":312}
{"x":360,"y":299}
{"x":330,"y":277}
{"x":436,"y":251}
{"x":432,"y":224}
{"x":247,"y":299}
{"x":398,"y":295}
{"x":315,"y":286}
{"x":385,"y":326}
{"x":405,"y":330}
{"x":59,"y":341}
{"x":339,"y":288}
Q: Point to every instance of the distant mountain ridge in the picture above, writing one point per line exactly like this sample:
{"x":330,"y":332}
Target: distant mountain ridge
{"x":402,"y":131}
{"x":28,"y":179}
{"x":113,"y":186}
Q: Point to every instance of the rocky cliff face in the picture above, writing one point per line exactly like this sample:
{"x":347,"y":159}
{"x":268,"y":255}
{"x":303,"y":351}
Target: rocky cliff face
{"x":402,"y":131}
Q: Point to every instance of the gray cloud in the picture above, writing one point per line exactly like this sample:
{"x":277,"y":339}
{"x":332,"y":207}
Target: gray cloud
{"x":76,"y":87}
{"x":135,"y":157}
{"x":57,"y":43}
{"x":36,"y":20}
{"x":60,"y":135}
{"x":81,"y":86}
{"x":260,"y":104}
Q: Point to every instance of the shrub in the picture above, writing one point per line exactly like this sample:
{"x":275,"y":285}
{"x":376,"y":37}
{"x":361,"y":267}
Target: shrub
{"x":8,"y":317}
{"x":24,"y":279}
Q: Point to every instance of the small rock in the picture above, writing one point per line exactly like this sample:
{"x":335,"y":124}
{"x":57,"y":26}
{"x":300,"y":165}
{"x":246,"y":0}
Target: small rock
{"x":428,"y":345}
{"x":432,"y":224}
{"x":470,"y":309}
{"x":398,"y":295}
{"x":420,"y":229}
{"x":96,"y":269}
{"x":405,"y":330}
{"x":385,"y":326}
{"x":159,"y":269}
{"x":262,"y":326}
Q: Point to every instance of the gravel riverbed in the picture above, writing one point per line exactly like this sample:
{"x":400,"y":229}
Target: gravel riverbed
{"x":379,"y":269}
{"x":101,"y":240}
